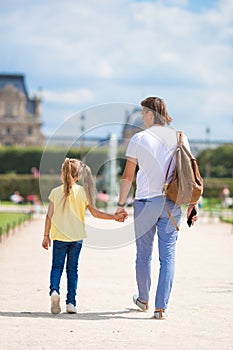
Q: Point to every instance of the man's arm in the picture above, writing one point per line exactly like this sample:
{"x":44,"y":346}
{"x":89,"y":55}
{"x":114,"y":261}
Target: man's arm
{"x":126,"y":181}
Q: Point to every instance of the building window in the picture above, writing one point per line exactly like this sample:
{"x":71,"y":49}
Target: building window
{"x":8,"y":111}
{"x":30,"y":131}
{"x":8,"y":131}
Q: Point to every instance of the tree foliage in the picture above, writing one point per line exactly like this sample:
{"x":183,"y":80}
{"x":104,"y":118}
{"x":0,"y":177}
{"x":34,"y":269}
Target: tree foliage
{"x":217,"y":162}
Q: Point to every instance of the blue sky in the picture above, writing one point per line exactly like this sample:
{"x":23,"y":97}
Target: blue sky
{"x":78,"y":55}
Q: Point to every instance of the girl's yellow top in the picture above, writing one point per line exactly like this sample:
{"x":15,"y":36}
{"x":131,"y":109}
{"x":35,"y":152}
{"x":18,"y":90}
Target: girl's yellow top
{"x":67,"y":222}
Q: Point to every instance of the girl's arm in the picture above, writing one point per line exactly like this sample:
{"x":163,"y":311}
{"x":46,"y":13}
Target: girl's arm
{"x":102,"y":215}
{"x":46,"y":240}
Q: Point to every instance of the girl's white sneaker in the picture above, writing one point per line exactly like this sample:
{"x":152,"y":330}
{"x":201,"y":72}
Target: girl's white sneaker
{"x":71,"y":309}
{"x":55,"y":303}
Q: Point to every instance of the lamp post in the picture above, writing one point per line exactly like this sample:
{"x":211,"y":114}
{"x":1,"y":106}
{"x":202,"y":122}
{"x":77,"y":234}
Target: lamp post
{"x":207,"y":131}
{"x":82,"y":129}
{"x":207,"y":165}
{"x":113,"y":169}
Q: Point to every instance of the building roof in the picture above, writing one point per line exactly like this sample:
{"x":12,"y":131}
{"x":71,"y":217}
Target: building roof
{"x":17,"y":80}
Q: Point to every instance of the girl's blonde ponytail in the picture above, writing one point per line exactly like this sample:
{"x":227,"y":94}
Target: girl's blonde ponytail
{"x":88,"y":184}
{"x":73,"y":169}
{"x":67,"y":178}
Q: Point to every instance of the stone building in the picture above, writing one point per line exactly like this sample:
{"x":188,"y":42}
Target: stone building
{"x":133,"y":124}
{"x":20,"y":115}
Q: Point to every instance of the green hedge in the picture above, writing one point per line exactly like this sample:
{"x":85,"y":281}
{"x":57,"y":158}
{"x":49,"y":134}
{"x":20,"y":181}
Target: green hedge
{"x":48,"y":160}
{"x":20,"y":160}
{"x":16,"y":164}
{"x":26,"y":184}
{"x":213,"y":186}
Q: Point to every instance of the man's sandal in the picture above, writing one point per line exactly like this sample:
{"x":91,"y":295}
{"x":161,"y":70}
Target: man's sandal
{"x":160,"y":314}
{"x":142,"y":305}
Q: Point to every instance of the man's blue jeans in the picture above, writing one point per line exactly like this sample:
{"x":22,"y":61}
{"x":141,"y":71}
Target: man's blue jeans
{"x":151,"y":215}
{"x":69,"y":251}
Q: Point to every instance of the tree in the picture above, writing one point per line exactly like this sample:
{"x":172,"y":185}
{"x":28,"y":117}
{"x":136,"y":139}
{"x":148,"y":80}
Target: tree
{"x":216,"y":162}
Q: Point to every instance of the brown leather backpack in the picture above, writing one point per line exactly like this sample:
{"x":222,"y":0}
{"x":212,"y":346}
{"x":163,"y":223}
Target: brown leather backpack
{"x":186,"y":185}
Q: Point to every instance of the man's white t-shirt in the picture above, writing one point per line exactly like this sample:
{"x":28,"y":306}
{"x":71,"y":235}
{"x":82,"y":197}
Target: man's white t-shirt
{"x":153,"y":149}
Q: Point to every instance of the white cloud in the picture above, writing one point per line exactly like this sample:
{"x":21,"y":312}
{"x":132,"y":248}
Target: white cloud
{"x":175,"y":2}
{"x":122,"y":50}
{"x":73,"y":97}
{"x":105,"y":70}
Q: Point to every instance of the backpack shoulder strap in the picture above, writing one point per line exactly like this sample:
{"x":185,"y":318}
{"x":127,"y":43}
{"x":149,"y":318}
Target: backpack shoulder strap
{"x":179,"y":143}
{"x":169,"y":165}
{"x":179,"y":138}
{"x":179,"y":135}
{"x":170,"y":215}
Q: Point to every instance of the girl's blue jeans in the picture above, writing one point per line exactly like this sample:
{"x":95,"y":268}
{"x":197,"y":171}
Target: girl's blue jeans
{"x":150,"y":215}
{"x":69,"y":251}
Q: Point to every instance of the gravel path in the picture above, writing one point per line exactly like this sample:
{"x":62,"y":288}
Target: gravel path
{"x":200,"y":310}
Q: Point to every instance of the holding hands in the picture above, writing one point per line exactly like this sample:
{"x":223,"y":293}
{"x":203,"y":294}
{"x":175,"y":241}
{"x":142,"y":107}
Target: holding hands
{"x":121,"y":214}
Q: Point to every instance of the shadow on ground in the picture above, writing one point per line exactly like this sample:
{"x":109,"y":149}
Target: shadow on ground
{"x":125,"y":314}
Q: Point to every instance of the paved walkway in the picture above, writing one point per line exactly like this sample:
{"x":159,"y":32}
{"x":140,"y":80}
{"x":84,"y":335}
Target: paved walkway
{"x":200,"y":310}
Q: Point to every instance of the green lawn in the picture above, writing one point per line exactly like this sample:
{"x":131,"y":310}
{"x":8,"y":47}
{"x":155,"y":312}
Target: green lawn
{"x":13,"y":204}
{"x":11,"y":219}
{"x":229,"y":221}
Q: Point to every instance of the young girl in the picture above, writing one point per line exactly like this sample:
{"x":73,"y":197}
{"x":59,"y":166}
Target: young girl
{"x":65,"y":219}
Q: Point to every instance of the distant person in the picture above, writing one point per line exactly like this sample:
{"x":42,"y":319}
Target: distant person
{"x":35,"y":172}
{"x":65,"y":219}
{"x":200,"y":202}
{"x":151,"y":150}
{"x":36,"y":207}
{"x":31,"y":198}
{"x":225,"y":197}
{"x":34,"y":200}
{"x":17,"y":198}
{"x":103,"y":197}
